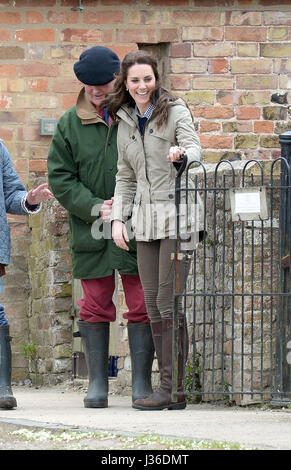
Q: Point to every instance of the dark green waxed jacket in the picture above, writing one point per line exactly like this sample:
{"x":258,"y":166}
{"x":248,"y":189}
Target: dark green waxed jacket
{"x":82,"y":164}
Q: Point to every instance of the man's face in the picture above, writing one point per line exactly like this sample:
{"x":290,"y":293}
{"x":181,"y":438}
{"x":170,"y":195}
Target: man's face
{"x":97,"y":93}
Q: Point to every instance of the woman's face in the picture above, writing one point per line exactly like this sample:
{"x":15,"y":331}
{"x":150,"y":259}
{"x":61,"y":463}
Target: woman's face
{"x":141,"y":83}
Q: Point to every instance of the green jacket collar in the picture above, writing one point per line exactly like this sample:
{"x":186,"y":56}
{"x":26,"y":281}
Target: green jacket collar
{"x":85,"y":110}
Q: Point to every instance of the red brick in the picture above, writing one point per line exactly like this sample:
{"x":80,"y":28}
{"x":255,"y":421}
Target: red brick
{"x":254,"y":97}
{"x":218,"y":66}
{"x":257,"y":82}
{"x":209,"y":126}
{"x":213,"y":82}
{"x":39,"y":84}
{"x":214,"y":112}
{"x":137,"y":35}
{"x":214,"y":49}
{"x":170,"y":3}
{"x":248,"y":49}
{"x":69,"y":17}
{"x":34,"y":3}
{"x":81,"y":35}
{"x":215,"y":141}
{"x":69,"y":100}
{"x":6,"y":134}
{"x":168,"y":35}
{"x":4,"y":35}
{"x":35,"y":35}
{"x":121,"y":51}
{"x":281,"y":18}
{"x":117,"y":2}
{"x":7,"y":70}
{"x":38,"y":166}
{"x":244,"y":126}
{"x":248,"y":112}
{"x":21,"y":165}
{"x":4,"y":85}
{"x":245,"y":33}
{"x":245,"y":3}
{"x":37,"y":151}
{"x":11,"y":52}
{"x":34,"y":17}
{"x":28,"y":133}
{"x":70,"y":3}
{"x":181,"y":50}
{"x":264,"y":127}
{"x":5,"y":101}
{"x":246,"y":18}
{"x":64,"y":52}
{"x":214,"y":3}
{"x":66,"y":85}
{"x":227,"y":97}
{"x":16,"y":85}
{"x":35,"y":69}
{"x":199,"y":33}
{"x":108,"y":35}
{"x":10,"y":17}
{"x":103,"y":17}
{"x":251,"y":65}
{"x":197,"y":18}
{"x":12,"y":116}
{"x":276,"y":3}
{"x":181,"y":82}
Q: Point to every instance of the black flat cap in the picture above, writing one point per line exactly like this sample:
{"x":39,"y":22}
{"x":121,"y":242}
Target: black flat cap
{"x":97,"y":66}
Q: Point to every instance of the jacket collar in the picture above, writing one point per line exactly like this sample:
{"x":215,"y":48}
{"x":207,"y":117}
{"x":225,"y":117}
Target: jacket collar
{"x":127,"y":113}
{"x":85,"y":110}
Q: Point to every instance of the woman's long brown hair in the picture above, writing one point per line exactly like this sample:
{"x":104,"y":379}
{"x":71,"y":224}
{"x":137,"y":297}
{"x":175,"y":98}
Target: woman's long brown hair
{"x":119,"y":96}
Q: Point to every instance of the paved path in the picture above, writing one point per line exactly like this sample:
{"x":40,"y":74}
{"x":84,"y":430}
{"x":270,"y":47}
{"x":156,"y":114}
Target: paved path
{"x":251,"y":427}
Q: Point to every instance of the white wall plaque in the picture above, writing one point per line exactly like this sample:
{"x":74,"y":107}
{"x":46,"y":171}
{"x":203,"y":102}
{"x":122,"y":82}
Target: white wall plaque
{"x":249,"y":203}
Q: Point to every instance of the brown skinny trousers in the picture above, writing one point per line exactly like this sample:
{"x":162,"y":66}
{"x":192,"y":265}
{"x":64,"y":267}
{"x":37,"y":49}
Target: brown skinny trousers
{"x":157,"y":274}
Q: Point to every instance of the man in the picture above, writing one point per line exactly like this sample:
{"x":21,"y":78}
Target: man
{"x":14,"y":199}
{"x":82,"y":164}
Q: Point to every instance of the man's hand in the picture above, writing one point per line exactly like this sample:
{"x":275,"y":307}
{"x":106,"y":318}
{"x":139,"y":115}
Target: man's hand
{"x":39,"y":194}
{"x":106,"y":209}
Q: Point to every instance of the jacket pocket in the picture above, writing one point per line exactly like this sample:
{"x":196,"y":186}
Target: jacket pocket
{"x":163,"y":212}
{"x":86,"y":237}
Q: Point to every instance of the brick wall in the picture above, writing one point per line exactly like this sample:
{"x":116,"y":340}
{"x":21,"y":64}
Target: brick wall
{"x":230,"y":59}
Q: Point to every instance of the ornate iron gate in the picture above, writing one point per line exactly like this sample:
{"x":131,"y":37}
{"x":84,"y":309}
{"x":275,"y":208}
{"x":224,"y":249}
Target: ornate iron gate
{"x":237,"y":297}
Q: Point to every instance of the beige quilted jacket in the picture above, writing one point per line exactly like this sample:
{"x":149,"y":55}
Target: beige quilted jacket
{"x":145,"y":181}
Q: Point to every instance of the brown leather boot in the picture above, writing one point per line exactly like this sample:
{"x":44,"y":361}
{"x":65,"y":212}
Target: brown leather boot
{"x":156,"y":328}
{"x":162,"y":398}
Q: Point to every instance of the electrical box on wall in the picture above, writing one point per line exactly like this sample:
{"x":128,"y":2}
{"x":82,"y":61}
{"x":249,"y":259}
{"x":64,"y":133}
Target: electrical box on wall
{"x":47,"y":126}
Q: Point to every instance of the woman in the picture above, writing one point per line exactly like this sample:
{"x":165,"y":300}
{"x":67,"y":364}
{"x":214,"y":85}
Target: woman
{"x":155,"y":129}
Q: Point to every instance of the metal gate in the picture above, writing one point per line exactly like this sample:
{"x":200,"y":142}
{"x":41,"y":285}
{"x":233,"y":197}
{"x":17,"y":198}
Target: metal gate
{"x":237,"y":297}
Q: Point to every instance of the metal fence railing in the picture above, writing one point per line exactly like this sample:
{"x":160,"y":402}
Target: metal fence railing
{"x":237,"y":297}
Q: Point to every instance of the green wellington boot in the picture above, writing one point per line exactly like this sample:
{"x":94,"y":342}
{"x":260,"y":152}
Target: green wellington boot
{"x":7,"y":399}
{"x":95,"y":339}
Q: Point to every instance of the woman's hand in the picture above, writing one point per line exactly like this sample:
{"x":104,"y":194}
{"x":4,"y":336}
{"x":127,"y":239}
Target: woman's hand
{"x":119,"y":234}
{"x":175,"y":154}
{"x":39,"y":194}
